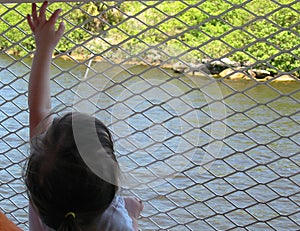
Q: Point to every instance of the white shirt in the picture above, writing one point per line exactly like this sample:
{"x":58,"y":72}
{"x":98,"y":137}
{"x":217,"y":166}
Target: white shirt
{"x":115,"y":218}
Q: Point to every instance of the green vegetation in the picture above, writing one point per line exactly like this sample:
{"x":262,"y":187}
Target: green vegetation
{"x":259,"y":32}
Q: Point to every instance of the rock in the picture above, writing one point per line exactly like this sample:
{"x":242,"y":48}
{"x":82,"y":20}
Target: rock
{"x":195,"y":69}
{"x":225,"y":62}
{"x":265,"y":79}
{"x":207,"y":66}
{"x":226,"y":73}
{"x":268,"y":78}
{"x":282,"y":78}
{"x":215,"y":69}
{"x":259,"y":74}
{"x":199,"y":69}
{"x":246,"y":63}
{"x":217,"y":66}
{"x":231,"y":73}
{"x":238,"y":75}
{"x":179,"y":68}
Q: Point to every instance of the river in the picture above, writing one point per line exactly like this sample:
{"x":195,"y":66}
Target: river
{"x":190,"y":147}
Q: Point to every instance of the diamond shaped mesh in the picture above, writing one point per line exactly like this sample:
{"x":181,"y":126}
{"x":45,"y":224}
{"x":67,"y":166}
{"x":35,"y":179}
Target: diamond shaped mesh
{"x":203,"y":148}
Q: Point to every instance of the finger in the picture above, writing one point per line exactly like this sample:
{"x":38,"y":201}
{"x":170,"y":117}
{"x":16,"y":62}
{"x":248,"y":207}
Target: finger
{"x":30,"y":23}
{"x":34,"y":14}
{"x":52,"y":20}
{"x":43,"y":8}
{"x":61,"y":29}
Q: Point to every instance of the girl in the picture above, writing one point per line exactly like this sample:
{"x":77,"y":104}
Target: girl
{"x":64,"y":193}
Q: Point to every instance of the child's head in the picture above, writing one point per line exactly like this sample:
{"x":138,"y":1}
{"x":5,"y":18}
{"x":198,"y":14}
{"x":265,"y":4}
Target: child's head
{"x":58,"y":179}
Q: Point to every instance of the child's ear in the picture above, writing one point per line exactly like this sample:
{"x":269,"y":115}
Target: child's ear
{"x":6,"y":224}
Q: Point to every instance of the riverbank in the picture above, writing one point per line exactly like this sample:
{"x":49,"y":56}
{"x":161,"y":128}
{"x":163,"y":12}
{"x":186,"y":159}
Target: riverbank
{"x":223,"y":68}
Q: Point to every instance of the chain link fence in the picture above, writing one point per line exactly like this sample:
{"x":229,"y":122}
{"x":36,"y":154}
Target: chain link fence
{"x":202,"y":98}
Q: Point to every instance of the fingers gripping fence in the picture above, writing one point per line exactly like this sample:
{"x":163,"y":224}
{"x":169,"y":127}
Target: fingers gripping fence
{"x":202,"y":98}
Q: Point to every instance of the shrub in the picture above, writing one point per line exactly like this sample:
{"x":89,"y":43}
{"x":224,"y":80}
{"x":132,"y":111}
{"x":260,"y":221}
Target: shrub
{"x":199,"y":29}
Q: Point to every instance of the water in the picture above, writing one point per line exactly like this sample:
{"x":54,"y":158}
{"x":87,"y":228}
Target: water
{"x":230,"y":148}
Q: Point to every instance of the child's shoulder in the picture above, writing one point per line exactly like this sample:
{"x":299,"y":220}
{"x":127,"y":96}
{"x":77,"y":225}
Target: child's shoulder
{"x":6,"y":224}
{"x":116,"y":216}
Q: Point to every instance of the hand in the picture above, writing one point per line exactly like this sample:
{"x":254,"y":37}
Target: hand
{"x":46,"y":37}
{"x":134,"y":207}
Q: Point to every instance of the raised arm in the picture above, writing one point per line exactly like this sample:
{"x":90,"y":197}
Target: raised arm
{"x":46,"y":38}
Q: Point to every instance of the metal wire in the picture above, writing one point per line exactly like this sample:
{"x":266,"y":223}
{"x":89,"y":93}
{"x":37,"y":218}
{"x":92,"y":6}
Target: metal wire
{"x":203,"y":153}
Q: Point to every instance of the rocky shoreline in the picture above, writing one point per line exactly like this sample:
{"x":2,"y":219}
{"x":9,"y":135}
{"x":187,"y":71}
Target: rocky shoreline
{"x":225,"y":68}
{"x":222,"y":68}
